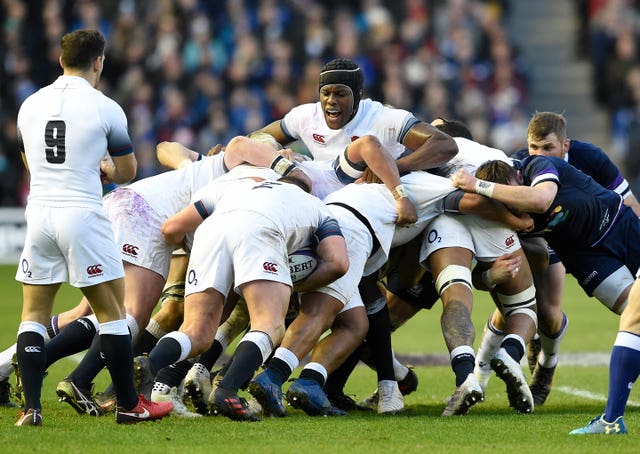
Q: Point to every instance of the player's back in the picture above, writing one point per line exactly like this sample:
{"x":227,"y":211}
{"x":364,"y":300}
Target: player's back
{"x":65,"y":129}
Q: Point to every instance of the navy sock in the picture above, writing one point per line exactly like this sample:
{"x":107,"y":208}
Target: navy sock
{"x":118,"y":357}
{"x":379,"y":341}
{"x":209,"y":358}
{"x":279,"y":370}
{"x":31,"y":362}
{"x":75,"y":337}
{"x":144,"y":343}
{"x":513,"y":348}
{"x":246,"y":360}
{"x":462,"y":366}
{"x":623,"y":372}
{"x":167,"y":351}
{"x":173,"y":374}
{"x":310,"y":374}
{"x":90,"y":365}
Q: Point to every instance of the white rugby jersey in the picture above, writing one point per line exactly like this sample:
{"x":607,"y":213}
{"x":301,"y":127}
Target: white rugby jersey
{"x":295,"y":213}
{"x":470,"y":156}
{"x":169,"y":192}
{"x":306,"y":122}
{"x":65,"y":129}
{"x":377,"y":205}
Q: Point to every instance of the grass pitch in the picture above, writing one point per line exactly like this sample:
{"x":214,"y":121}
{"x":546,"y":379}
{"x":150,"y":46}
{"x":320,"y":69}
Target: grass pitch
{"x":580,"y":387}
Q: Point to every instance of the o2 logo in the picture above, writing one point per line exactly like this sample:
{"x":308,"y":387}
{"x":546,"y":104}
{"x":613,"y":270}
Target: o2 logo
{"x":25,"y":268}
{"x":191,"y":277}
{"x":434,"y":237}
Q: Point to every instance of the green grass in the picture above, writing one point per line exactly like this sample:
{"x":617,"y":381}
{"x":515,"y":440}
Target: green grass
{"x":490,"y":427}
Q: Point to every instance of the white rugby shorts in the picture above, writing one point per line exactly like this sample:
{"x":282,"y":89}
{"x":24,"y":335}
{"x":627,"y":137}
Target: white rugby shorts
{"x":68,"y":244}
{"x":487,"y":239}
{"x":241,"y":248}
{"x":138,"y":231}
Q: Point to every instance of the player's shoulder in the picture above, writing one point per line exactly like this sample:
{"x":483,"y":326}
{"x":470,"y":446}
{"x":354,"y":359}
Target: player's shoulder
{"x":585,"y":152}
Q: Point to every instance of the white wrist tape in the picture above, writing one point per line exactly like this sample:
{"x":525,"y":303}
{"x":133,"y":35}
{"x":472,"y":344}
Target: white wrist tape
{"x":282,"y":165}
{"x":485,"y":188}
{"x":399,"y":192}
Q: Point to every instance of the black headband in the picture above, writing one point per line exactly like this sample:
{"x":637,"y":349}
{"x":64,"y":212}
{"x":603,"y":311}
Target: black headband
{"x":349,"y":77}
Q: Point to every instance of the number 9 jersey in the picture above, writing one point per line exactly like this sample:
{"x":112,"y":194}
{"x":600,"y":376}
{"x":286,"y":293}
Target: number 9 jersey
{"x":64,"y":130}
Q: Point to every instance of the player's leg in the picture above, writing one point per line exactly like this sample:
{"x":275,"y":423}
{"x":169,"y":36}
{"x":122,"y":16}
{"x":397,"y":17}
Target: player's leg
{"x":452,"y":268}
{"x":347,"y":333}
{"x":317,"y":313}
{"x":551,"y":330}
{"x":624,"y":368}
{"x":36,"y":310}
{"x":517,"y":302}
{"x":267,"y":303}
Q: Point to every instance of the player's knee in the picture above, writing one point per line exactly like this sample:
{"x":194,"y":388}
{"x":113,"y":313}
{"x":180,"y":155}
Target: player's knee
{"x":609,"y":292}
{"x":520,"y":303}
{"x":173,"y":291}
{"x":453,"y":275}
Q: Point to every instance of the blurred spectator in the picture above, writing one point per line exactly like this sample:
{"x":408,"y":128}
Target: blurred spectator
{"x":200,"y":72}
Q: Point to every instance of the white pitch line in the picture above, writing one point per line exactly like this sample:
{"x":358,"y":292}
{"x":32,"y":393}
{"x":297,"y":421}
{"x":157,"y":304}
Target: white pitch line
{"x":589,"y":395}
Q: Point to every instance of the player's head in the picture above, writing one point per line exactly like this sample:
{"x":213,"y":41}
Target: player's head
{"x":292,"y":179}
{"x":341,"y":88}
{"x":454,"y":128}
{"x":499,"y":172}
{"x":547,"y":135}
{"x":82,"y":51}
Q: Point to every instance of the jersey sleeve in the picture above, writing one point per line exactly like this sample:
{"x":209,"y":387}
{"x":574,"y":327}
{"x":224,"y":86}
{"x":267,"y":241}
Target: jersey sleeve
{"x":293,"y":122}
{"x":328,"y":227}
{"x":118,"y":140}
{"x":393,"y":125}
{"x":538,"y":169}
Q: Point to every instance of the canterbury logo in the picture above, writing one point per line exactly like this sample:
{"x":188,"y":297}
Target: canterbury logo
{"x":354,"y":138}
{"x":319,"y":138}
{"x":510,"y":241}
{"x":270,"y":267}
{"x":32,"y":349}
{"x":130,"y":249}
{"x":94,"y":270}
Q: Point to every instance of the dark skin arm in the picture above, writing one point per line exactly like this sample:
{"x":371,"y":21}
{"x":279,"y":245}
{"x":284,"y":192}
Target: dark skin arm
{"x":430,"y":148}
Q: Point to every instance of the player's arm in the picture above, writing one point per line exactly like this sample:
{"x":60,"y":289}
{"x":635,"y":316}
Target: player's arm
{"x":185,"y":221}
{"x":429,"y":147}
{"x":370,"y":151}
{"x":175,"y":155}
{"x":531,"y":199}
{"x":469,"y":203}
{"x":333,"y":259}
{"x":119,"y":169}
{"x":274,"y":129}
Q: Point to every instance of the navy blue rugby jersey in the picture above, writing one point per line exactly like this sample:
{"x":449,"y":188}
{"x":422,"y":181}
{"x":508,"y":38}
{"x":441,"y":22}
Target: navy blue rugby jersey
{"x":582,"y":212}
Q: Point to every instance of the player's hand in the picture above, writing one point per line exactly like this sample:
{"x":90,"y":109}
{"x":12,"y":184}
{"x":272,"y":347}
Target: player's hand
{"x":107,"y":169}
{"x":523,"y":223}
{"x":505,"y":268}
{"x":464,"y":180}
{"x":407,"y":213}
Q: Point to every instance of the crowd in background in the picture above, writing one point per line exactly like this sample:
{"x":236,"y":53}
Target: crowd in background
{"x":609,"y":38}
{"x":200,"y":72}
